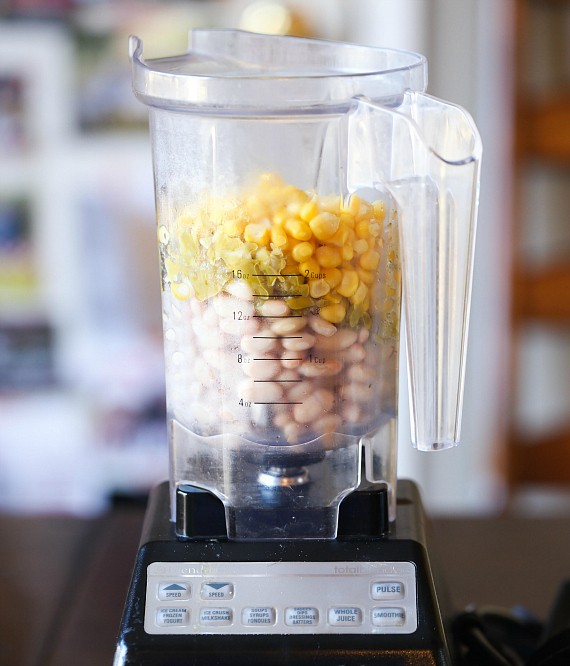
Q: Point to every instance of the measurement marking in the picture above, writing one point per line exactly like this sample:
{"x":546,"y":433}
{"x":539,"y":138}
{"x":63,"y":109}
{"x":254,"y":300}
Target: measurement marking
{"x":277,"y":403}
{"x":278,"y":359}
{"x":278,"y":295}
{"x":276,"y":275}
{"x":289,"y":316}
{"x":272,"y":381}
{"x":277,"y":337}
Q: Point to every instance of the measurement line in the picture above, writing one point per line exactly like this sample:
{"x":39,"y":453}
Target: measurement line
{"x":272,"y":381}
{"x":276,"y":275}
{"x":278,"y":359}
{"x":289,"y":316}
{"x":277,"y":403}
{"x":277,"y":337}
{"x":278,"y":295}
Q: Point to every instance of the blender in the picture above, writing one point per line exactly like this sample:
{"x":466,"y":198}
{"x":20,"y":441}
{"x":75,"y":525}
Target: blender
{"x":310,"y":197}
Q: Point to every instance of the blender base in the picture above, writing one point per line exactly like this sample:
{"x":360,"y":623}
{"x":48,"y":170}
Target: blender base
{"x":366,"y":597}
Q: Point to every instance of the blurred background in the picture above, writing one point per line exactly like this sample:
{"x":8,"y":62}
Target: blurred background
{"x":82,"y":417}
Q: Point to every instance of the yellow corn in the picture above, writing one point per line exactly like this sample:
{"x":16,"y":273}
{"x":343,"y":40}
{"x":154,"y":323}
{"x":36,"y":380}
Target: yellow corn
{"x":302,"y":251}
{"x":361,"y":228}
{"x":299,"y":302}
{"x":359,"y":295}
{"x":333,"y":276}
{"x":324,"y":225}
{"x":278,"y":237}
{"x":309,"y":210}
{"x":181,"y":290}
{"x":333,"y":313}
{"x":379,"y":208}
{"x":347,"y":252}
{"x":310,"y":268}
{"x":351,"y":205}
{"x":348,"y":284}
{"x":298,"y":229}
{"x":366,"y":276}
{"x":369,"y":260}
{"x":318,"y":288}
{"x":328,"y":257}
{"x":255,"y":232}
{"x":360,"y":246}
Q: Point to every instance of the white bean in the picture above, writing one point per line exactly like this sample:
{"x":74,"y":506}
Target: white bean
{"x":281,"y":419}
{"x":229,"y":307}
{"x":260,"y":392}
{"x":292,"y":360}
{"x":326,"y":369}
{"x":292,"y":432}
{"x":325,"y":397}
{"x":240,"y":289}
{"x":363,"y":335}
{"x":274,"y":308}
{"x":358,"y":392}
{"x":262,"y":368}
{"x":351,"y":413}
{"x":288,"y":376}
{"x":327,"y":424}
{"x":238,"y":327}
{"x":257,"y":344}
{"x":288,"y":325}
{"x":307,"y":412}
{"x":299,"y":343}
{"x":354,"y":354}
{"x":322,"y":326}
{"x":299,"y":392}
{"x":361,"y":373}
{"x":342,"y":339}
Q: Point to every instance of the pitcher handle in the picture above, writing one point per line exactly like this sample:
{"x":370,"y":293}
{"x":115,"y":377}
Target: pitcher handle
{"x":427,"y":154}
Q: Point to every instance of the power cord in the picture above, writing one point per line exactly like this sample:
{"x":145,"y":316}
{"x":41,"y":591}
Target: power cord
{"x":488,"y":636}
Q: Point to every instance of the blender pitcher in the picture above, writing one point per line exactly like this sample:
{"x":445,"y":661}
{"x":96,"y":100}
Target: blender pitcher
{"x":304,"y":191}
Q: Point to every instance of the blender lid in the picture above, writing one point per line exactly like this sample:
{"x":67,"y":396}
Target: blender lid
{"x":231,"y":71}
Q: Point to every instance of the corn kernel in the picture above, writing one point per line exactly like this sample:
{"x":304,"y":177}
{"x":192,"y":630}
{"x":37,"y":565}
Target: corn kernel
{"x":318,"y":288}
{"x":366,"y":211}
{"x":309,"y":210}
{"x":370,"y":260}
{"x":181,"y":290}
{"x":234,"y":227}
{"x":333,"y":276}
{"x":309,"y":268}
{"x":359,"y":295}
{"x":348,"y":220}
{"x":299,"y":302}
{"x":351,"y":205}
{"x":257,"y":232}
{"x":333,"y":313}
{"x":348,"y":283}
{"x":379,"y":208}
{"x":330,"y":204}
{"x":298,"y":229}
{"x":360,"y":246}
{"x":347,"y":252}
{"x":366,"y":276}
{"x":278,"y":236}
{"x":361,"y":228}
{"x":324,"y":225}
{"x":302,"y":251}
{"x":340,"y":237}
{"x":280,"y":217}
{"x":328,"y":257}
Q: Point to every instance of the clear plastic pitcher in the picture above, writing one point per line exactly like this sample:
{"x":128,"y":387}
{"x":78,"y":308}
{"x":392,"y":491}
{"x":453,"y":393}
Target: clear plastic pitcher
{"x":304,"y":191}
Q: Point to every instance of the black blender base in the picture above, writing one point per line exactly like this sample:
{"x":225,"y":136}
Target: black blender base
{"x":357,"y":600}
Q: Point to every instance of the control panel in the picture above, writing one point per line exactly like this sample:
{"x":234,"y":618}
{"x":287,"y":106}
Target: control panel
{"x":281,"y":598}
